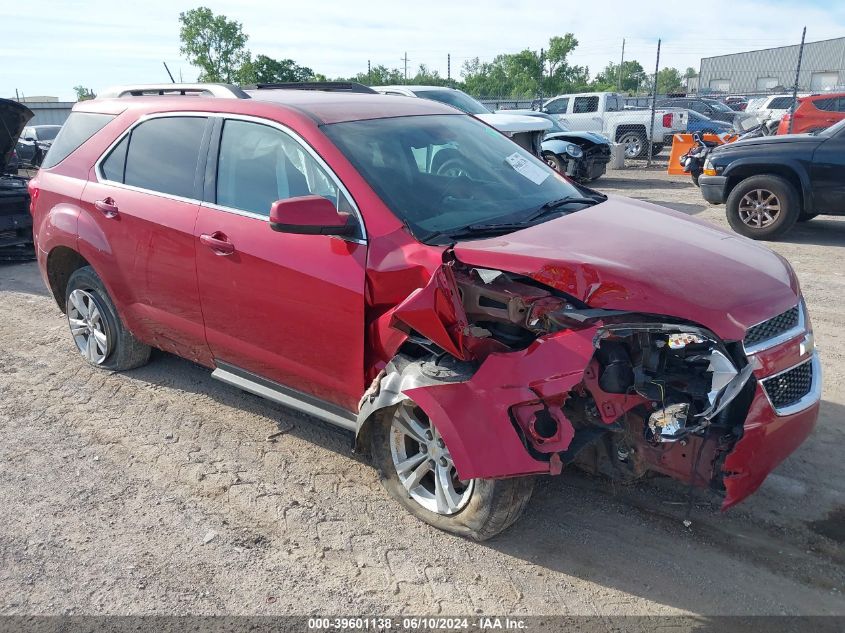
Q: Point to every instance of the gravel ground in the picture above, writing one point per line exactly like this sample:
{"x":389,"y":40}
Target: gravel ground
{"x":161,"y":491}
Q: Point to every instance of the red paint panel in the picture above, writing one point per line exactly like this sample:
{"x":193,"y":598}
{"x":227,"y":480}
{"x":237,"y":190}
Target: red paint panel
{"x":435,"y":311}
{"x":286,"y":307}
{"x":473,"y":416}
{"x":631,"y":255}
{"x":767,"y":440}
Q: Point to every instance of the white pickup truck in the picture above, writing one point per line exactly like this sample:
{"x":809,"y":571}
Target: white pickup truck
{"x":605,"y":113}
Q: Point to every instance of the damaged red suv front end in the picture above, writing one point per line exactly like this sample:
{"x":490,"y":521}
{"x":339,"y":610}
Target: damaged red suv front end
{"x":624,"y":339}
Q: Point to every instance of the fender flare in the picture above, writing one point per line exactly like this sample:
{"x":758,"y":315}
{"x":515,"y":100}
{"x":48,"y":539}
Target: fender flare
{"x":793,"y":165}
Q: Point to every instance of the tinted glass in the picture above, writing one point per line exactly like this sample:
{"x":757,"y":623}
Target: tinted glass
{"x":780,"y":103}
{"x":828,"y":105}
{"x":558,"y":106}
{"x":114,"y":165}
{"x":454,"y":98}
{"x":441,"y":173}
{"x":585,"y":104}
{"x":259,"y":164}
{"x":163,"y":155}
{"x":47,"y":132}
{"x":79,"y":127}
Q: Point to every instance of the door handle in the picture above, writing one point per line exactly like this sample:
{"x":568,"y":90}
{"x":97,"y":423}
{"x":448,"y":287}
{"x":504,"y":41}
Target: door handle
{"x":218,"y":242}
{"x":107,"y":207}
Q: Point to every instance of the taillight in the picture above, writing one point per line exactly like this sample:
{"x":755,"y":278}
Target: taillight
{"x":667,"y":120}
{"x":34,"y":191}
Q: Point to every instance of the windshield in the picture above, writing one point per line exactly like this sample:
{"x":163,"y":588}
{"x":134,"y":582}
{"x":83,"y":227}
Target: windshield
{"x":445,"y":174}
{"x":718,"y":105}
{"x":454,"y":98}
{"x":834,"y":130}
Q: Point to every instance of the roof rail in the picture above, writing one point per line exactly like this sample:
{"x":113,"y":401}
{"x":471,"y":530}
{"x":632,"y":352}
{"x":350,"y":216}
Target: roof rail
{"x":220,"y":91}
{"x":328,"y":86}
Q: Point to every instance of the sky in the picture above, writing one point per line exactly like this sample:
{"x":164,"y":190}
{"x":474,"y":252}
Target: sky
{"x":48,"y":47}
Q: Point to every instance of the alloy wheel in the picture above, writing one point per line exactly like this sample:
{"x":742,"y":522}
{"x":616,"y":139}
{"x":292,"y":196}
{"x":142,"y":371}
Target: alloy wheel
{"x":424,"y":465}
{"x":759,"y":208}
{"x":633,"y":145}
{"x":88,"y":326}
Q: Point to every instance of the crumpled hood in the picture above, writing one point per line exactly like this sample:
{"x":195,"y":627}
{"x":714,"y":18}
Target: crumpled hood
{"x":13,"y":117}
{"x":593,"y":137}
{"x":627,"y":254}
{"x":515,"y":122}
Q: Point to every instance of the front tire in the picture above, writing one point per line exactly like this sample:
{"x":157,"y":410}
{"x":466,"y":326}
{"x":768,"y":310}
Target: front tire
{"x":417,"y":470}
{"x":97,"y":330}
{"x":554,"y":161}
{"x":763,"y":207}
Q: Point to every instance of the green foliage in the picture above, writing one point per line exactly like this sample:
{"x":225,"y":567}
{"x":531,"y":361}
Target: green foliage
{"x":83,"y":93}
{"x":213,"y":43}
{"x":633,"y":77}
{"x":266,"y":70}
{"x":527,"y":73}
{"x":669,"y":81}
{"x":379,"y":76}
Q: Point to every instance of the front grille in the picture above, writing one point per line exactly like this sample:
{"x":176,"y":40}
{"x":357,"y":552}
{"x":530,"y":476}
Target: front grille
{"x":789,"y":387}
{"x":771,"y":328}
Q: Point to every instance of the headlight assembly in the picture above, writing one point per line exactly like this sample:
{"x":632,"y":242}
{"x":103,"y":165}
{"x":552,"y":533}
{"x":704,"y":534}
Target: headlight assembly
{"x":574,"y":151}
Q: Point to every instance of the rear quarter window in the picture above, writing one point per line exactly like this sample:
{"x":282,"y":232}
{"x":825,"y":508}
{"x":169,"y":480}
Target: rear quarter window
{"x":79,"y":127}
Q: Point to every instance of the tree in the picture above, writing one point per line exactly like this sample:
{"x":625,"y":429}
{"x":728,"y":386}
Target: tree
{"x":213,"y":43}
{"x":83,"y":93}
{"x":669,"y":81}
{"x":633,"y":76}
{"x":526,"y":73}
{"x":266,"y":70}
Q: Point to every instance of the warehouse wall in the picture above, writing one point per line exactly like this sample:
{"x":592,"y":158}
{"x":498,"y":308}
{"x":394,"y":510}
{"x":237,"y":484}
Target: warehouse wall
{"x":49,"y":112}
{"x":823,"y":66}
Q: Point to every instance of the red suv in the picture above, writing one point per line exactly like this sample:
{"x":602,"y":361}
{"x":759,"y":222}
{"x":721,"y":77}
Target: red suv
{"x":814,"y":114}
{"x":471,"y":328}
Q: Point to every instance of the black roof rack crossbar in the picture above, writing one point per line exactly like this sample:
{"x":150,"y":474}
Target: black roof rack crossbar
{"x":328,"y":86}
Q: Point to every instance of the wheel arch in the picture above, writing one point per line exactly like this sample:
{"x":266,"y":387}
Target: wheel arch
{"x":740,"y":170}
{"x":624,"y":128}
{"x":62,"y":262}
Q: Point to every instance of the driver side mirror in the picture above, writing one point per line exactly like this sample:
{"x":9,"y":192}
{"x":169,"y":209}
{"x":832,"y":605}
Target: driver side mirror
{"x":310,"y":215}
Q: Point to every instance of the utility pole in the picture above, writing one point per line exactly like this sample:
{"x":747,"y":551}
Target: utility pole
{"x":449,"y":69}
{"x":169,"y":74}
{"x":653,"y":104}
{"x":405,"y":59}
{"x":621,"y":65}
{"x":795,"y":86}
{"x":369,"y":73}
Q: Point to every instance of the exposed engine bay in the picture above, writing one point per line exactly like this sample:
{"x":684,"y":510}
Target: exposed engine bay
{"x":627,"y":394}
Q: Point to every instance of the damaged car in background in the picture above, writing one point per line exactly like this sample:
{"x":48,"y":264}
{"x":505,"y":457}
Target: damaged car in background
{"x":472,"y":328}
{"x":15,"y":219}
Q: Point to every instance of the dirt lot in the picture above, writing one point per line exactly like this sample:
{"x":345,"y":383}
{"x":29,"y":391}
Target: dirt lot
{"x":158,"y":491}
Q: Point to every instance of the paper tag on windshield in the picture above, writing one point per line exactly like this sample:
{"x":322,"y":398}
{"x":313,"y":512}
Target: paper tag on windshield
{"x":522,"y":165}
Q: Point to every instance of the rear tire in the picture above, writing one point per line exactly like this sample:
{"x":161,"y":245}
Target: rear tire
{"x":636,"y":145}
{"x":763,"y":207}
{"x":483,"y":508}
{"x":97,"y":330}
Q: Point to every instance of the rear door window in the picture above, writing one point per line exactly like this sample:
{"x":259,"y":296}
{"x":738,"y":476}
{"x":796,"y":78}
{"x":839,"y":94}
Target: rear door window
{"x":113,"y":167}
{"x":585,"y":104}
{"x":79,"y":127}
{"x":163,"y":154}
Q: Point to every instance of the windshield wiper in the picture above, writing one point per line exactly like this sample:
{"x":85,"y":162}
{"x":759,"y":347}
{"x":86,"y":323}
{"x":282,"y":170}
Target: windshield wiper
{"x":560,"y":202}
{"x":506,"y":227}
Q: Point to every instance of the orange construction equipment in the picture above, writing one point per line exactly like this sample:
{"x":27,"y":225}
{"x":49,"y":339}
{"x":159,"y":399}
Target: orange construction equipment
{"x":682,"y":143}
